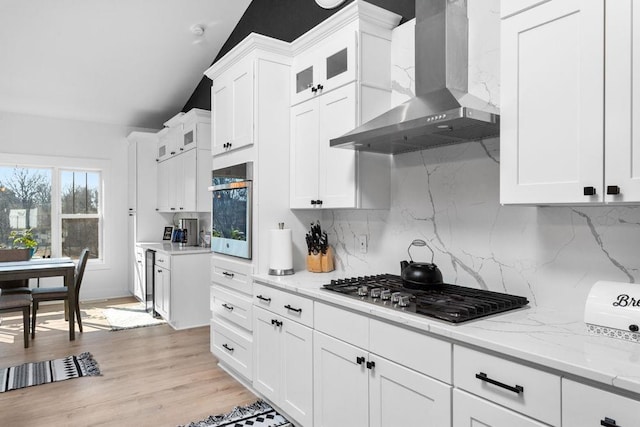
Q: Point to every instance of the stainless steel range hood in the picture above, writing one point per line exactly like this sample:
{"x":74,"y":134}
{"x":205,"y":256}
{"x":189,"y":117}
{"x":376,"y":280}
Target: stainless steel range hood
{"x":443,"y":112}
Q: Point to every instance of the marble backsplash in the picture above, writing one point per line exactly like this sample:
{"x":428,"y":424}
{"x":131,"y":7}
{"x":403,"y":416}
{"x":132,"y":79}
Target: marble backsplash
{"x":449,"y":197}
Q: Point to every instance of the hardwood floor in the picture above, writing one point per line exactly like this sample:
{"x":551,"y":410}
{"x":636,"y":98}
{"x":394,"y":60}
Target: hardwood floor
{"x":153,"y":376}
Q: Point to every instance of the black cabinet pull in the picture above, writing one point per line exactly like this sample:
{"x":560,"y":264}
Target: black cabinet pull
{"x":314,"y":89}
{"x":297,"y":310}
{"x":483,"y":377}
{"x":359,"y":360}
{"x":613,"y":189}
{"x":313,"y":202}
{"x":319,"y":87}
{"x":609,"y":422}
{"x":319,"y":202}
{"x":228,"y":307}
{"x":589,"y":191}
{"x":227,"y":347}
{"x":229,"y":275}
{"x":173,"y":152}
{"x":278,"y":323}
{"x":263,"y":298}
{"x":371,"y":365}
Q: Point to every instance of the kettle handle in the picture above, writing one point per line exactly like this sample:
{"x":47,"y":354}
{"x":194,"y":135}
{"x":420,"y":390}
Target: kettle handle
{"x":419,"y":242}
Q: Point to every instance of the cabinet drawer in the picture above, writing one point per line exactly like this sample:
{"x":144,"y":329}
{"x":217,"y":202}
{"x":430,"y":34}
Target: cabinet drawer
{"x":470,"y":410}
{"x":524,"y":389}
{"x":232,"y":347}
{"x":286,"y":304}
{"x":583,"y":405}
{"x":231,"y":306}
{"x":163,"y":260}
{"x":343,"y":324}
{"x":428,"y":355}
{"x":234,"y":275}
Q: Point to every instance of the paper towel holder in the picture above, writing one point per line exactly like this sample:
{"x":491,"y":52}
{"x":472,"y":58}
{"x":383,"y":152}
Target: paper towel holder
{"x":281,"y":271}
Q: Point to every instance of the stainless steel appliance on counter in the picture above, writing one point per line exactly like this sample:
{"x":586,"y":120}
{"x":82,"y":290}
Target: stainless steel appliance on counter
{"x":231,"y":210}
{"x":451,"y":303}
{"x":190,"y":233}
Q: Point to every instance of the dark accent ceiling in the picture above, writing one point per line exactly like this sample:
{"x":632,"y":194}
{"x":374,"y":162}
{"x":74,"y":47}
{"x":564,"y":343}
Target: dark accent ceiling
{"x":285,"y":20}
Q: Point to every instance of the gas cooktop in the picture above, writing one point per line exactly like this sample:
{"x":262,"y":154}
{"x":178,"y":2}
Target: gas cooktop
{"x":451,"y":303}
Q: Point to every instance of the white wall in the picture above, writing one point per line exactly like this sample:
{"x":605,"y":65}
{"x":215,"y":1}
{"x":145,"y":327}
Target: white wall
{"x":36,"y":138}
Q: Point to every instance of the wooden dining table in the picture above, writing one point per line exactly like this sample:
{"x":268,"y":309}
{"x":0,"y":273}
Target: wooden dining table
{"x":45,"y":267}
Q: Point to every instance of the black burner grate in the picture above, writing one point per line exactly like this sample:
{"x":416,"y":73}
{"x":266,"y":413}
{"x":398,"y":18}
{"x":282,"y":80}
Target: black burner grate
{"x":451,"y":303}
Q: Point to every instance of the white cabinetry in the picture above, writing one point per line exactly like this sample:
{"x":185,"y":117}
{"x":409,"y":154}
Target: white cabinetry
{"x":336,"y":85}
{"x":232,"y":315}
{"x":471,"y":410}
{"x":139,"y":275}
{"x":182,"y":288}
{"x":569,"y":102}
{"x":583,"y":405}
{"x":283,"y":370}
{"x":356,"y":383}
{"x":184,"y":173}
{"x":238,"y":80}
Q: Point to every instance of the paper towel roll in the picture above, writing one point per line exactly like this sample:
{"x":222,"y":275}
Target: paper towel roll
{"x":280,"y":252}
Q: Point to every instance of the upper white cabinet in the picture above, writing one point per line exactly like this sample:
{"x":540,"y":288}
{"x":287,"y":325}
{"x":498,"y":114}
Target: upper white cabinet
{"x":184,"y":174}
{"x":237,"y":81}
{"x":569,"y":103}
{"x":340,"y":78}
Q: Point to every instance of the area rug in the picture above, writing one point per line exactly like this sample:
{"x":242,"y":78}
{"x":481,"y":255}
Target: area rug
{"x":258,"y":414}
{"x":129,"y":317}
{"x":36,"y":373}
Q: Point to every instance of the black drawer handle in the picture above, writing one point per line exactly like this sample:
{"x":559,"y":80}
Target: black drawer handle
{"x":230,"y":349}
{"x":278,"y":323}
{"x":589,"y":191}
{"x":260,"y":297}
{"x":483,"y":377}
{"x":359,"y":360}
{"x":297,"y":310}
{"x":371,"y":365}
{"x":609,"y":422}
{"x":229,"y":275}
{"x":613,"y":189}
{"x":228,"y":307}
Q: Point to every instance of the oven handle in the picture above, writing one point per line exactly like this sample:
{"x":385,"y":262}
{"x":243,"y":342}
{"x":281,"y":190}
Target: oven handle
{"x":483,"y":377}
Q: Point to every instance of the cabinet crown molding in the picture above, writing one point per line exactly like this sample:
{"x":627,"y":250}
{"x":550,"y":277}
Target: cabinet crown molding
{"x":250,"y":44}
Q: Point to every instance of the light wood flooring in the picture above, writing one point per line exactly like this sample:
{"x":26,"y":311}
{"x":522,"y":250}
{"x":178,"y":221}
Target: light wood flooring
{"x":152,"y":376}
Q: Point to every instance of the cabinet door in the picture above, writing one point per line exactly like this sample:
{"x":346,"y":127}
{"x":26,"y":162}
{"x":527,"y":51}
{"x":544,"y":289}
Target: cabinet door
{"x":173,"y":168}
{"x":162,"y":288}
{"x":587,"y":406}
{"x":337,"y":169}
{"x":267,"y":351}
{"x":163,"y":186}
{"x":232,"y":103}
{"x":187,"y":181}
{"x":622,"y":101}
{"x":304,"y":154}
{"x":341,"y":390}
{"x":296,"y":391}
{"x":402,"y":397}
{"x":552,"y":103}
{"x":139,"y":275}
{"x":469,"y":410}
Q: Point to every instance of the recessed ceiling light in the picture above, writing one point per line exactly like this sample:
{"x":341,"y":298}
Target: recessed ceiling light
{"x":197,"y":30}
{"x":329,"y":4}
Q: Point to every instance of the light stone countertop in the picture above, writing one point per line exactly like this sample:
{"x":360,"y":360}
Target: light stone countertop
{"x":554,"y":339}
{"x":173,"y":248}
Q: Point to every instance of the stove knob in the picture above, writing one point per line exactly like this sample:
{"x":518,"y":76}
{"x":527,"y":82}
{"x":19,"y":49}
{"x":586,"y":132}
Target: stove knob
{"x":403,"y":301}
{"x":375,"y":292}
{"x":385,"y":294}
{"x":395,"y":297}
{"x":363,"y":291}
{"x":334,"y":282}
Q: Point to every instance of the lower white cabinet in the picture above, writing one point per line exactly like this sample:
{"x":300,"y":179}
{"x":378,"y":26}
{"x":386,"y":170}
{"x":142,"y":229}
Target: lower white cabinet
{"x":162,"y":291}
{"x":470,"y":410}
{"x":139,"y":275}
{"x":583,"y":405}
{"x":283,"y":369}
{"x":357,"y":388}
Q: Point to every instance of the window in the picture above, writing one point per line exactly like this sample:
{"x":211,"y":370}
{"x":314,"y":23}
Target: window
{"x":61,"y":207}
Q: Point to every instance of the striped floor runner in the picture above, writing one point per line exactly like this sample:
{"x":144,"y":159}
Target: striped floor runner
{"x":37,"y":373}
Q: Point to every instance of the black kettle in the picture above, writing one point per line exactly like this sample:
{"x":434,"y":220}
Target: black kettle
{"x":419,"y":275}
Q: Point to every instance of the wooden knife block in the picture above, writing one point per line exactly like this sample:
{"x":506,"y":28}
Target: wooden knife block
{"x":321,"y":263}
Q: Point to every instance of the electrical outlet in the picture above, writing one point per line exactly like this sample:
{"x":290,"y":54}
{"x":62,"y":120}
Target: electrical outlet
{"x":361,"y":243}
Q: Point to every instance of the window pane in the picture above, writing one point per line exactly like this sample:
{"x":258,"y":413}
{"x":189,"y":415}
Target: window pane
{"x":80,"y":233}
{"x":25,"y":203}
{"x":79,"y":192}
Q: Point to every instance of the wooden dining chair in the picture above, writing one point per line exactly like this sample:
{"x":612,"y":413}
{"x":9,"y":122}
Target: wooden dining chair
{"x":60,"y":293}
{"x":18,"y":302}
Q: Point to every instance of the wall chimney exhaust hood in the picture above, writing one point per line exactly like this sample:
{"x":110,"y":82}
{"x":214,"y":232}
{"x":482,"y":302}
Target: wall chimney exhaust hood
{"x":443,"y":112}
